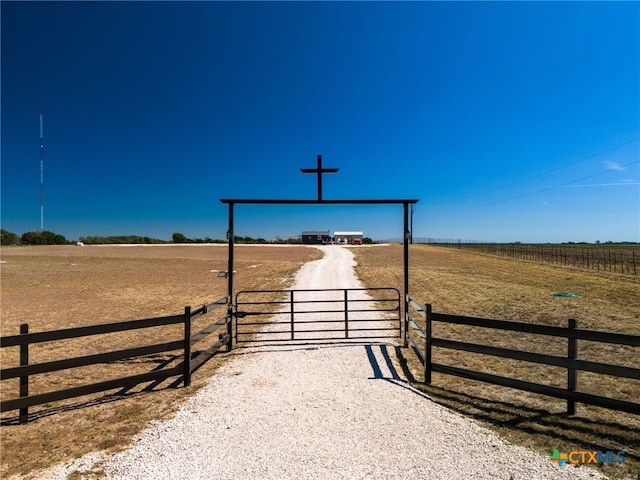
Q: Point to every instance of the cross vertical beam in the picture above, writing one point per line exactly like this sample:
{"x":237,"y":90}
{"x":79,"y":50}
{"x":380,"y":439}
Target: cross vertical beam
{"x":319,"y":171}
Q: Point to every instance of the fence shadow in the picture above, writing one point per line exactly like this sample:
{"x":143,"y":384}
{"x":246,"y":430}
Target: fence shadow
{"x":146,"y":354}
{"x":114,"y":397}
{"x":543,"y":429}
{"x":119,"y":395}
{"x":550,"y":428}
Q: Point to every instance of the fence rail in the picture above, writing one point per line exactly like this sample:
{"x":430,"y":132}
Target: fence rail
{"x":422,"y":341}
{"x":26,"y":369}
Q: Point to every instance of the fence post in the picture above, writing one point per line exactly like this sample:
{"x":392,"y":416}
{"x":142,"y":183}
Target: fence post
{"x":427,"y":344}
{"x":572,"y":374}
{"x":187,"y":346}
{"x":24,"y":381}
{"x":346,"y":314}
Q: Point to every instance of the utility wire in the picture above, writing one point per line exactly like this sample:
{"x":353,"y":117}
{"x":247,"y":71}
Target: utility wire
{"x":540,"y":174}
{"x":542,"y":189}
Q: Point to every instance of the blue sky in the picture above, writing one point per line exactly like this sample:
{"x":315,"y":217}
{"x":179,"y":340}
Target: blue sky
{"x":510,"y":121}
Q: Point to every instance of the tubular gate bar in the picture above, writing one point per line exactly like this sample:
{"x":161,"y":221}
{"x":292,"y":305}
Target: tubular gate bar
{"x":571,"y":362}
{"x":343,"y":311}
{"x":189,"y":364}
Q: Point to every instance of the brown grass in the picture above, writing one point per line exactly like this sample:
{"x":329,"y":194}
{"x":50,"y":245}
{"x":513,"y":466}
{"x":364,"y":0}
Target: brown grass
{"x":58,"y":287}
{"x":465,"y":283}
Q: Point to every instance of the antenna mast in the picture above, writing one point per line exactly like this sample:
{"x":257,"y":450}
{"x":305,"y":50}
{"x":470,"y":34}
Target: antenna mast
{"x":41,"y":170}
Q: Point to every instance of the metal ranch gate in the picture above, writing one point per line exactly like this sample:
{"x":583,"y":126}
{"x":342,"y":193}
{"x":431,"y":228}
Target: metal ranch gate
{"x":317,"y":314}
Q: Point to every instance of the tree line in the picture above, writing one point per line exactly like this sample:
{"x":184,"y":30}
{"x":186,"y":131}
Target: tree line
{"x":50,"y":238}
{"x":47,"y":237}
{"x":44,"y":237}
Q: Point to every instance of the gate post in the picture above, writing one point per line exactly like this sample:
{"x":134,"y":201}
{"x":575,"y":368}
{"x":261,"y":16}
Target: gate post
{"x":406,"y":273}
{"x":230,"y":317}
{"x":230,"y":237}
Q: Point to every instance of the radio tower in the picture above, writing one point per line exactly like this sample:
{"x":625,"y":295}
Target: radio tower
{"x":41,"y":171}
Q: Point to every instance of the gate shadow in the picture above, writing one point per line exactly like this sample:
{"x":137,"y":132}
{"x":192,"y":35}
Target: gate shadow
{"x":537,"y":427}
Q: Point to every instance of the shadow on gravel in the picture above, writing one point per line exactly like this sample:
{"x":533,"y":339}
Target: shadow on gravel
{"x":47,"y":410}
{"x":540,"y":429}
{"x":543,"y":430}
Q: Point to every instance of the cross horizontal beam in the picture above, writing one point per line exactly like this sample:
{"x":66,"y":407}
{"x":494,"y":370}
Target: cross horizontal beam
{"x":318,"y":202}
{"x":319,"y":171}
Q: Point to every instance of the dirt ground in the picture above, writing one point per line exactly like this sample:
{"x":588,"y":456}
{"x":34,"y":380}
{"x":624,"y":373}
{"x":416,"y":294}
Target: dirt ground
{"x":56,"y":287}
{"x":460,"y":282}
{"x":53,"y":287}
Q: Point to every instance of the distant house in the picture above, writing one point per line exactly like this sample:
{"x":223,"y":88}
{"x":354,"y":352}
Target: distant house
{"x":316,"y":238}
{"x":348,"y":238}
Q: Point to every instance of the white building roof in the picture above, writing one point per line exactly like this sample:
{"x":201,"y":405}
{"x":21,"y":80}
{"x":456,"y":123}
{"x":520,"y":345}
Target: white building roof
{"x":347,"y":233}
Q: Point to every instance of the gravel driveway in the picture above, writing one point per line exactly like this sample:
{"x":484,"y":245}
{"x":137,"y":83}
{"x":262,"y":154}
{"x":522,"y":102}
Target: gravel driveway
{"x":322,"y":411}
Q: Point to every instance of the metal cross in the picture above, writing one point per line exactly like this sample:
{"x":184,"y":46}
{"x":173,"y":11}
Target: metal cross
{"x":319,"y":171}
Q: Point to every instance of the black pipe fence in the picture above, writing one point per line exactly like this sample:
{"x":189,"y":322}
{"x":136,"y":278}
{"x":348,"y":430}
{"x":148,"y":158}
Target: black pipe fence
{"x":419,"y":336}
{"x":25,"y":370}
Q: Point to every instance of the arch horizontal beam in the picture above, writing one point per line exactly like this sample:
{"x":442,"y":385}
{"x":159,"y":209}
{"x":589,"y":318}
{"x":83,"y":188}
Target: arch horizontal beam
{"x":318,"y":202}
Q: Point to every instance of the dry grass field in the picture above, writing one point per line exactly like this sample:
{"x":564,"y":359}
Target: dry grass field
{"x":465,"y":283}
{"x":67,"y":286}
{"x":57,"y":287}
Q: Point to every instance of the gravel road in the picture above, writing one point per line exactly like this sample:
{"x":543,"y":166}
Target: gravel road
{"x":321,"y":411}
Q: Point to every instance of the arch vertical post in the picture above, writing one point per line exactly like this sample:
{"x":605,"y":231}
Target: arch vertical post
{"x":405,"y":282}
{"x":230,"y":238}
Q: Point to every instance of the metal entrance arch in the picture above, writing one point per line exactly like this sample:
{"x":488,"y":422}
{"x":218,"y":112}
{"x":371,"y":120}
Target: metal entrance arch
{"x":320,"y":201}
